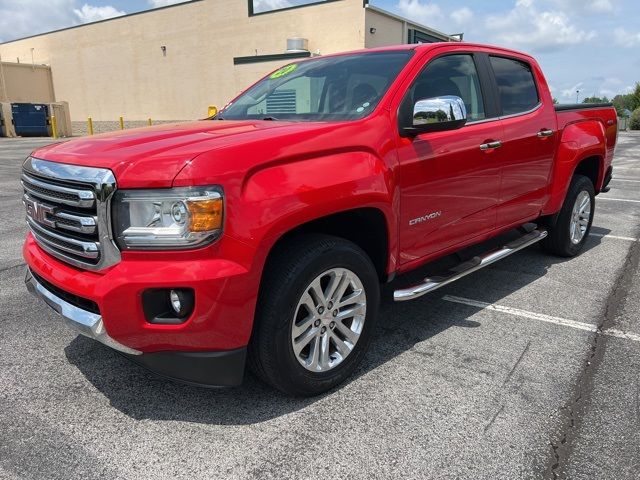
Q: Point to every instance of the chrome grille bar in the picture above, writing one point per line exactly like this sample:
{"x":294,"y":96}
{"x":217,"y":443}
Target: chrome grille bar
{"x":61,"y":219}
{"x":57,"y":193}
{"x":76,"y":223}
{"x":45,"y":236}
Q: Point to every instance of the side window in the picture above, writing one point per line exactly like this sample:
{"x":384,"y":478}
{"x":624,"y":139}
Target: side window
{"x":451,"y":75}
{"x":516,"y":85}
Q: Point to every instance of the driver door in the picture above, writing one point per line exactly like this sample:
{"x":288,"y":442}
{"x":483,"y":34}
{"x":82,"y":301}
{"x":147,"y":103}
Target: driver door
{"x":449,"y":184}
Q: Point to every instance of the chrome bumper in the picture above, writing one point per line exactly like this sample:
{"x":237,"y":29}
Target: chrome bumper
{"x":82,"y":321}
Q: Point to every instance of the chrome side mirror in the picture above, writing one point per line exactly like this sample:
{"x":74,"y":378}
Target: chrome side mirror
{"x":438,"y":114}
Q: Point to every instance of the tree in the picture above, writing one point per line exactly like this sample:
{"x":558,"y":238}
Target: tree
{"x":595,"y":99}
{"x":636,"y":98}
{"x":635,"y":120}
{"x":555,"y":101}
{"x":624,"y":102}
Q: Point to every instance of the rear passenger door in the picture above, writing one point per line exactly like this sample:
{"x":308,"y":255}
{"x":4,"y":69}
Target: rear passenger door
{"x":529,"y":137}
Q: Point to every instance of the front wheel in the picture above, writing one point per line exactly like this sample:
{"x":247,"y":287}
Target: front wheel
{"x":317,"y":307}
{"x":568,"y":236}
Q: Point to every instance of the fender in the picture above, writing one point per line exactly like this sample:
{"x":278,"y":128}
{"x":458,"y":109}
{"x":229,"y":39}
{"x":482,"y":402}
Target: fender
{"x":579,"y":141}
{"x":291,"y":194}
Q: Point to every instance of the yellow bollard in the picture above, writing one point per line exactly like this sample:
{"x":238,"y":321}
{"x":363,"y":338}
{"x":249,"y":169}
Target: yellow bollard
{"x":150,"y":122}
{"x":212,"y":111}
{"x":90,"y":126}
{"x":54,"y":127}
{"x":121,"y":123}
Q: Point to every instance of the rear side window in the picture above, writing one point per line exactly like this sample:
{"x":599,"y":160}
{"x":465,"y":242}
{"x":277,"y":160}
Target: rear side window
{"x":516,"y":86}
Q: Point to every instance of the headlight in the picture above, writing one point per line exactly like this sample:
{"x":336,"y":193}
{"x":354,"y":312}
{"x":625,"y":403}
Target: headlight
{"x":167,"y":219}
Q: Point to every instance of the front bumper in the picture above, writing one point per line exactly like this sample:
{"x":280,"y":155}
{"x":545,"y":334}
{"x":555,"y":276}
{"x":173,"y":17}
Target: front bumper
{"x":222,"y":318}
{"x":82,"y":321}
{"x":224,"y":368}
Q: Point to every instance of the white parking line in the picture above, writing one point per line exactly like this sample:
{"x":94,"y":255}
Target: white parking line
{"x":615,"y":237}
{"x":624,"y":180}
{"x":618,"y":199}
{"x":612,"y":332}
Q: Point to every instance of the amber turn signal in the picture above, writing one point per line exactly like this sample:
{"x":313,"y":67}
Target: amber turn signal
{"x":205,"y":215}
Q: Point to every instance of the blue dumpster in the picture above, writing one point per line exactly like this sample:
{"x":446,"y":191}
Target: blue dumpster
{"x":30,"y":119}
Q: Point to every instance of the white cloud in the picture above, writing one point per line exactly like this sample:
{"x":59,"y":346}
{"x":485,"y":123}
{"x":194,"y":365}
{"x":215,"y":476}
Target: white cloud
{"x":625,"y":38}
{"x":524,"y":26}
{"x":462,"y":16}
{"x":21,"y":19}
{"x":163,"y":3}
{"x":419,"y":12}
{"x":571,"y":91}
{"x":30,"y":17}
{"x":89,"y":13}
{"x":590,"y":6}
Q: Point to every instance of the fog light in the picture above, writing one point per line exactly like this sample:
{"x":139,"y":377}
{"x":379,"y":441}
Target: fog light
{"x":169,"y":306}
{"x":176,"y":304}
{"x":181,"y":302}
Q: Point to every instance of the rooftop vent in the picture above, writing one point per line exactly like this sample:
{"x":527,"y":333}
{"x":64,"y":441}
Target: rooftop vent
{"x":297,"y":44}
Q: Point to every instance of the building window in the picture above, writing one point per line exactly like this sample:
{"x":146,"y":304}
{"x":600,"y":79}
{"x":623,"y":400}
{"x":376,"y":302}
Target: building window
{"x":256,"y":7}
{"x":416,"y":36}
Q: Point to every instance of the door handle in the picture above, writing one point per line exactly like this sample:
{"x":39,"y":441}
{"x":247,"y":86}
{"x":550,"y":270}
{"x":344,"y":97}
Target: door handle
{"x":545,"y":132}
{"x":491,"y":145}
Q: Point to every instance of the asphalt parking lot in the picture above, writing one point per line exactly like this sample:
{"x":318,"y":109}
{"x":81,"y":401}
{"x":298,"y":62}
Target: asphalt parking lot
{"x":526,"y":369}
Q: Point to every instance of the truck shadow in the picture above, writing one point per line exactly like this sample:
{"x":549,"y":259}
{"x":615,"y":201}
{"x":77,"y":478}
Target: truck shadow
{"x":142,"y":395}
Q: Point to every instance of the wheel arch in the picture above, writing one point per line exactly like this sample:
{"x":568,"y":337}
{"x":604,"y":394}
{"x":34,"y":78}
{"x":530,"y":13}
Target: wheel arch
{"x":366,"y":227}
{"x":582,"y":150}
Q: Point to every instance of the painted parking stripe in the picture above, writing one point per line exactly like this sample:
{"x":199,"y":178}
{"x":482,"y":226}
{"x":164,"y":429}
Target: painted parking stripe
{"x":615,"y":237}
{"x":624,"y":180}
{"x":618,"y":199}
{"x":612,"y":332}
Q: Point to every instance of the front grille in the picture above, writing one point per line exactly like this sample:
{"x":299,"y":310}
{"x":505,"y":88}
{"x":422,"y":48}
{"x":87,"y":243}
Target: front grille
{"x":67,"y":211}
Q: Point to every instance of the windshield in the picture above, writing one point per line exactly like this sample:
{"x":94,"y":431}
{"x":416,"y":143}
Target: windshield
{"x":345,"y":87}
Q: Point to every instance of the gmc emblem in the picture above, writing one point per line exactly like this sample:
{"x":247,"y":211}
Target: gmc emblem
{"x":39,"y":212}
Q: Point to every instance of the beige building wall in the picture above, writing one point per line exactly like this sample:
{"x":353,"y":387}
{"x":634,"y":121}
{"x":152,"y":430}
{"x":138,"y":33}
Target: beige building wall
{"x":20,"y":82}
{"x":117,"y":67}
{"x":388,"y":30}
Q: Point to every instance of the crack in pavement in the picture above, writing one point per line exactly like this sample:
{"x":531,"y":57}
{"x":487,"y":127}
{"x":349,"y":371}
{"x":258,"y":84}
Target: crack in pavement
{"x":573,"y":411}
{"x":11,"y":267}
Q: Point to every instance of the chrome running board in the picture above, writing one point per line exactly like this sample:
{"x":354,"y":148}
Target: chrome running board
{"x":470,"y":266}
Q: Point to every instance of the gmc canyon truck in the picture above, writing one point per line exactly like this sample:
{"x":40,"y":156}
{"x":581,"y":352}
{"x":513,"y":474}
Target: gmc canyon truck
{"x":264,"y":233}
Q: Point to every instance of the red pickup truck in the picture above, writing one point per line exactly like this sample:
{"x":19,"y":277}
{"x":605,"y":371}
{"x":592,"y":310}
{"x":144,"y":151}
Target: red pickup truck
{"x":264,"y":233}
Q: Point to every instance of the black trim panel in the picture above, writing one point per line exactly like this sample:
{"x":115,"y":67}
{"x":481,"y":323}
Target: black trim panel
{"x":276,"y":10}
{"x":270,"y":58}
{"x":488,"y":85}
{"x":207,"y":369}
{"x":580,"y":106}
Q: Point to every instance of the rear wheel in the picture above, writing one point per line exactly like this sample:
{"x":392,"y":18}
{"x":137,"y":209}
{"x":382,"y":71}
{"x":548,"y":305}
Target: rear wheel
{"x":317,"y":306}
{"x":568,"y":236}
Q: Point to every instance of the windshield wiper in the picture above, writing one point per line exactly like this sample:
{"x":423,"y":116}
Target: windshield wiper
{"x":269,"y":118}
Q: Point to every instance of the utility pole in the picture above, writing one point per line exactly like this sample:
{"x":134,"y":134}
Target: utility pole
{"x":577,"y":96}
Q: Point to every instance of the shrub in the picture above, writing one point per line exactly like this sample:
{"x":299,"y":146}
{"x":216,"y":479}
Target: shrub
{"x":635,"y":120}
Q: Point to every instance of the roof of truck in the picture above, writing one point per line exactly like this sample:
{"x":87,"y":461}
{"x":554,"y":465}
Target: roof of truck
{"x":431,"y":46}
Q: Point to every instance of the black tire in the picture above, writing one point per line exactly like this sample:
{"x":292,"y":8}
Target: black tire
{"x":558,"y":242}
{"x":289,"y":272}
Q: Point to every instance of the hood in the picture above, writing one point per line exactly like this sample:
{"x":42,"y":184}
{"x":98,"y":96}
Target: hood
{"x":152,"y":157}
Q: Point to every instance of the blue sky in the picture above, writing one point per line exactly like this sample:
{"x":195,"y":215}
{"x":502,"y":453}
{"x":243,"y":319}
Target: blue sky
{"x":587,"y":45}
